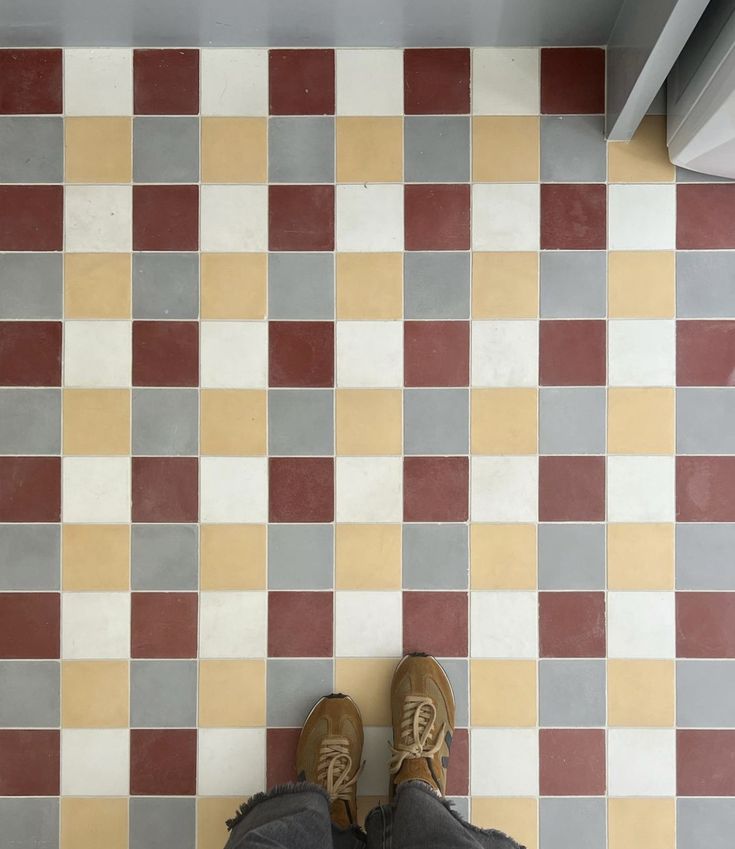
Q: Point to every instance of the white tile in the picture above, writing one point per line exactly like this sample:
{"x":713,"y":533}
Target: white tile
{"x":234,"y":354}
{"x":234,"y":489}
{"x":504,"y":762}
{"x":640,"y":489}
{"x":231,"y":761}
{"x":98,"y":82}
{"x":505,"y":81}
{"x":234,"y":82}
{"x":642,"y":217}
{"x":368,"y":624}
{"x":234,"y":218}
{"x":641,"y":762}
{"x":369,"y":353}
{"x":373,"y":780}
{"x":642,"y":352}
{"x":504,"y":489}
{"x":504,"y":353}
{"x":503,"y":624}
{"x":95,"y":761}
{"x":232,"y":624}
{"x":98,"y":219}
{"x":369,"y":218}
{"x":95,"y":625}
{"x":96,"y":489}
{"x":369,"y":489}
{"x":641,"y":625}
{"x":98,"y":353}
{"x":505,"y":217}
{"x":369,"y":82}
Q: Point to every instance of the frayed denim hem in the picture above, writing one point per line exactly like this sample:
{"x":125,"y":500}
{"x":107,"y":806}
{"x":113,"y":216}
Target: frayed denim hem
{"x":278,"y":790}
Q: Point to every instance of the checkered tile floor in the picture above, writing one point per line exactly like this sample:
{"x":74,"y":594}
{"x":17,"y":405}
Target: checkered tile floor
{"x":310,"y":358}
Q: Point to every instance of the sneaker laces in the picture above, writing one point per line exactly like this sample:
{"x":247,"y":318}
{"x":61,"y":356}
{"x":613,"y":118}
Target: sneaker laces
{"x":334,"y":767}
{"x":419,"y":716}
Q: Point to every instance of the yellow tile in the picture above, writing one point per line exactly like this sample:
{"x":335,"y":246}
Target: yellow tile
{"x":517,"y":817}
{"x":369,"y":421}
{"x":234,"y":285}
{"x":368,"y":557}
{"x":231,"y":693}
{"x":97,"y":285}
{"x":234,"y":150}
{"x":641,"y":823}
{"x":96,"y":421}
{"x":641,"y":421}
{"x":640,"y":557}
{"x":369,"y":286}
{"x":504,"y":421}
{"x":232,"y":557}
{"x":96,"y":557}
{"x":91,"y":823}
{"x":211,"y":816}
{"x":642,"y":284}
{"x":503,"y":557}
{"x":233,"y":422}
{"x":504,"y":285}
{"x":98,"y":150}
{"x":641,"y":693}
{"x":368,"y":682}
{"x":94,"y":694}
{"x":645,"y":158}
{"x":369,"y":150}
{"x":503,"y":692}
{"x":505,"y":149}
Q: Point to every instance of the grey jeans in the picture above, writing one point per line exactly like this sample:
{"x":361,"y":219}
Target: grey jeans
{"x":296,"y":816}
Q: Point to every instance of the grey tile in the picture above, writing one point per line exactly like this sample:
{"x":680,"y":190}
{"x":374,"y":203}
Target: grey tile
{"x":29,"y":823}
{"x":31,"y":149}
{"x":457,"y":670}
{"x":573,"y":284}
{"x":705,"y":284}
{"x":567,"y":822}
{"x":560,"y":678}
{"x":29,"y":694}
{"x":461,"y":805}
{"x":294,"y":687}
{"x":301,"y":286}
{"x":572,"y":420}
{"x":571,"y":557}
{"x":165,"y":421}
{"x":164,"y":557}
{"x":573,"y":148}
{"x":684,"y":175}
{"x":436,"y":149}
{"x":658,"y":104}
{"x":437,"y":284}
{"x":435,"y":557}
{"x":300,"y":422}
{"x":705,"y":823}
{"x":162,"y":823}
{"x":436,"y":421}
{"x":163,"y":693}
{"x":165,"y":285}
{"x":31,"y":285}
{"x":300,"y":557}
{"x":704,"y":556}
{"x":30,"y":421}
{"x":705,"y":693}
{"x":165,"y":150}
{"x":30,"y":557}
{"x":704,"y":421}
{"x":301,"y":150}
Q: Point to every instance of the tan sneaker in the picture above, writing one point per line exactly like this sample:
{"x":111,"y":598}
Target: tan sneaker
{"x":329,"y":753}
{"x":422,"y":704}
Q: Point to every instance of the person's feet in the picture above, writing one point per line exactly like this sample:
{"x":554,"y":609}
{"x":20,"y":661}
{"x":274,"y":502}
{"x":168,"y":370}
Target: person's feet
{"x":329,"y":754}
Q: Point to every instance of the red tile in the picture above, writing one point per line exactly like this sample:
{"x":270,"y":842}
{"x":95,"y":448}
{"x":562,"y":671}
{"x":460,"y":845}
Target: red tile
{"x":165,"y":353}
{"x":572,"y":81}
{"x":572,"y":624}
{"x":301,"y":218}
{"x":31,"y":218}
{"x":29,"y":763}
{"x":436,"y":81}
{"x":572,"y":353}
{"x":30,"y":353}
{"x":705,"y":353}
{"x":436,"y":353}
{"x":30,"y":82}
{"x":705,"y":624}
{"x":301,"y":489}
{"x":435,"y":489}
{"x":299,"y":624}
{"x":437,"y":217}
{"x":165,"y":489}
{"x":30,"y":489}
{"x":571,"y":489}
{"x":164,"y":625}
{"x":301,"y":353}
{"x":29,"y":626}
{"x":166,"y":82}
{"x":572,"y":762}
{"x":301,"y":82}
{"x":705,"y":489}
{"x":705,"y":762}
{"x":435,"y":623}
{"x":280,"y":758}
{"x":163,"y":761}
{"x":165,"y":218}
{"x":458,"y":774}
{"x":573,"y":216}
{"x":705,"y":216}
